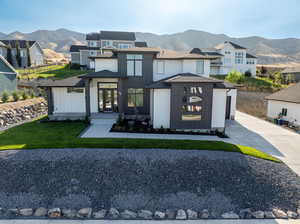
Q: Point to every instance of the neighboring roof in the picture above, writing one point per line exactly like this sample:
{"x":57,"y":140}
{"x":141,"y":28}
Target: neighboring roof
{"x":74,"y":81}
{"x":169,"y":54}
{"x":205,"y":53}
{"x":21,"y":42}
{"x":5,"y":67}
{"x":140,"y":44}
{"x":224,"y":85}
{"x":291,"y":70}
{"x":77,"y":48}
{"x":250,"y":56}
{"x":102,"y":74}
{"x":138,"y":50}
{"x":2,"y":44}
{"x":236,"y":46}
{"x":105,"y":55}
{"x":290,"y":94}
{"x":111,"y":35}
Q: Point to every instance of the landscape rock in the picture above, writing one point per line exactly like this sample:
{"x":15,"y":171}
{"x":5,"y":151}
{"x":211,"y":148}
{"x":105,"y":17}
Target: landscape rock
{"x":181,"y":215}
{"x":26,"y":211}
{"x":204,"y":214}
{"x":113,"y":213}
{"x":145,"y":214}
{"x":230,"y":215}
{"x":245,"y":213}
{"x":170,"y":214}
{"x":54,"y":213}
{"x":126,"y":214}
{"x":191,"y":214}
{"x":258,"y":214}
{"x":269,"y":215}
{"x":292,"y":215}
{"x":69,"y":213}
{"x":40,"y":212}
{"x":100,"y":214}
{"x":279,"y":213}
{"x":159,"y":215}
{"x":84,"y":213}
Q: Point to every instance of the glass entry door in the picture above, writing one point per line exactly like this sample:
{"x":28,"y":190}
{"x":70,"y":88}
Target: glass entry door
{"x":107,"y":97}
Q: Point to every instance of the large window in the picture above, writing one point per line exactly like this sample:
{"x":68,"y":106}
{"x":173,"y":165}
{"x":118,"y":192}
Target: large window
{"x":93,"y":53}
{"x":124,"y":45}
{"x":134,"y":64}
{"x":200,"y":67}
{"x":239,"y":56}
{"x":107,"y":43}
{"x":191,"y":108}
{"x":135,"y":97}
{"x":160,"y":67}
{"x":93,"y":43}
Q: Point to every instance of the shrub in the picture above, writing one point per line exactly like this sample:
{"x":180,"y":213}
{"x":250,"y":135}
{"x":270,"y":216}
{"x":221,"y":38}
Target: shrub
{"x":278,"y":77}
{"x":290,"y":78}
{"x":25,"y":95}
{"x":248,"y":73}
{"x":5,"y":96}
{"x":75,"y":66}
{"x":15,"y":96}
{"x":32,"y":93}
{"x":235,"y":77}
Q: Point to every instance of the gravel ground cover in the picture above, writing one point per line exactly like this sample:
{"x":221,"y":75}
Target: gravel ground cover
{"x":150,"y":179}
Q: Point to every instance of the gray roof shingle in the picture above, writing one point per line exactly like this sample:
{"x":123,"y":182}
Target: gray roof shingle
{"x":102,"y":74}
{"x":250,"y":56}
{"x":290,"y":94}
{"x":140,"y":44}
{"x":111,"y":35}
{"x":74,"y":81}
{"x":23,"y":43}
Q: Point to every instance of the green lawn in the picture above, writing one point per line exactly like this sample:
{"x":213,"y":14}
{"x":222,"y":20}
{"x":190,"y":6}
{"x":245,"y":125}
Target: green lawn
{"x":53,"y":71}
{"x":65,"y":135}
{"x":257,"y":84}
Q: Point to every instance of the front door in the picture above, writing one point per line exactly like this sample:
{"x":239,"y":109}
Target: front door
{"x":107,"y":98}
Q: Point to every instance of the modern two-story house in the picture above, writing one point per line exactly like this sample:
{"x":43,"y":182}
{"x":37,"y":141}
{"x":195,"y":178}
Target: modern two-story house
{"x":8,"y":76}
{"x":171,"y":88}
{"x":98,"y":43}
{"x":232,"y":57}
{"x":36,"y":55}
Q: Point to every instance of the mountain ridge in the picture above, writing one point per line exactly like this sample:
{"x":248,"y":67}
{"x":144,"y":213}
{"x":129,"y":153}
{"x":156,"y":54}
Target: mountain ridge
{"x":268,"y":51}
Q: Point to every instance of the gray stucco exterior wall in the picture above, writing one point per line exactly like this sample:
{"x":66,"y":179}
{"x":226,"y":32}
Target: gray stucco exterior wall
{"x":75,"y":57}
{"x":177,"y":94}
{"x":8,"y":82}
{"x":135,"y":82}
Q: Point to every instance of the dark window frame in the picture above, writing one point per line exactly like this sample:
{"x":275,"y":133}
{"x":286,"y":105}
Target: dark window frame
{"x":134,"y":97}
{"x":134,"y":60}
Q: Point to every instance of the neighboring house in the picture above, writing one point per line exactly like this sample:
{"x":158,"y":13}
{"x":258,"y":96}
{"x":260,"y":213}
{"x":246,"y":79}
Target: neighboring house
{"x":171,"y":88}
{"x":295,"y":71}
{"x":8,"y":76}
{"x":98,"y":43}
{"x":233,"y":57}
{"x":35,"y":51}
{"x":285,"y":103}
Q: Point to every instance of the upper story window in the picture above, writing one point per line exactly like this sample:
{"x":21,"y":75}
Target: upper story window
{"x":227,"y":52}
{"x":134,"y":64}
{"x":107,"y":43}
{"x":1,"y":51}
{"x":250,"y":62}
{"x":200,"y":67}
{"x":124,"y":45}
{"x":239,"y":56}
{"x":93,"y":43}
{"x":23,"y":53}
{"x":93,"y":53}
{"x":160,"y":67}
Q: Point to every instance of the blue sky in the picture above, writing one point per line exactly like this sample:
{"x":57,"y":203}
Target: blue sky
{"x":237,"y":18}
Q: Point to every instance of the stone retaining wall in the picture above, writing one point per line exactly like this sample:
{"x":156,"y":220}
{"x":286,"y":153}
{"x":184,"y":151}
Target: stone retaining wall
{"x":21,"y":111}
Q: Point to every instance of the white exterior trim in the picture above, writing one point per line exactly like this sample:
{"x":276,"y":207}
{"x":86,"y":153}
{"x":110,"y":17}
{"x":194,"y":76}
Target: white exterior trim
{"x":218,"y":108}
{"x":160,"y":107}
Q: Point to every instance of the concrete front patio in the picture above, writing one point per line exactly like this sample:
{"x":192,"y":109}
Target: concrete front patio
{"x":245,"y":130}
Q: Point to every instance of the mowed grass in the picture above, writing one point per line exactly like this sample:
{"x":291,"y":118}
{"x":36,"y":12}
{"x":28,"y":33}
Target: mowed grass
{"x":53,"y":71}
{"x":35,"y":135}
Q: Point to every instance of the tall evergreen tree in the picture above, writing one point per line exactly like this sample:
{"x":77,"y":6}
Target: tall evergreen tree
{"x":18,"y":54}
{"x":9,"y":55}
{"x":28,"y":54}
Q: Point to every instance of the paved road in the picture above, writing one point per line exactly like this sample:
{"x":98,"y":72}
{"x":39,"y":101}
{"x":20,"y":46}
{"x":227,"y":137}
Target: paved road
{"x":268,"y":137}
{"x":150,"y":222}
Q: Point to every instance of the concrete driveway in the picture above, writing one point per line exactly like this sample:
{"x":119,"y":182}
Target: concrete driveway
{"x":268,"y":137}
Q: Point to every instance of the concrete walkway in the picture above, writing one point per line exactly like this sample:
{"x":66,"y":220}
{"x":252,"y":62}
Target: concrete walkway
{"x":253,"y":221}
{"x":245,"y":130}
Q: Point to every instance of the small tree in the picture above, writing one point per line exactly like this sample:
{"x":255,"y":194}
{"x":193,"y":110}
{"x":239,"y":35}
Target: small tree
{"x":263,"y":70}
{"x":28,"y":54}
{"x":25,"y":95}
{"x":4,"y":96}
{"x":9,"y":54}
{"x":278,"y":77}
{"x":248,"y":73}
{"x":235,"y":77}
{"x":15,"y":96}
{"x":18,"y":54}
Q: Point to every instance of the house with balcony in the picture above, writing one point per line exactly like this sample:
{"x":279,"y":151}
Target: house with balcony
{"x":30,"y":52}
{"x":100,"y":43}
{"x":232,"y":57}
{"x":171,"y":89}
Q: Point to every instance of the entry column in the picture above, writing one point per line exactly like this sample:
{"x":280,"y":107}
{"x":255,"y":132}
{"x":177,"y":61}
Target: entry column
{"x":87,"y":97}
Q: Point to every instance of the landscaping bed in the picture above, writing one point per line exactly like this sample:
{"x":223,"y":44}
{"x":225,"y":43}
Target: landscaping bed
{"x":144,"y":126}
